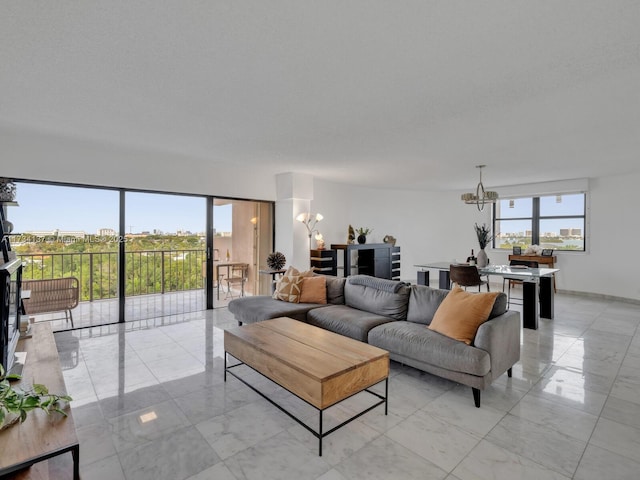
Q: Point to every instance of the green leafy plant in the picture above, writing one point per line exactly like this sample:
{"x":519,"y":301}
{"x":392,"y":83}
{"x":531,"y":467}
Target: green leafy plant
{"x":484,"y":235}
{"x":19,"y":402}
{"x":364,"y":231}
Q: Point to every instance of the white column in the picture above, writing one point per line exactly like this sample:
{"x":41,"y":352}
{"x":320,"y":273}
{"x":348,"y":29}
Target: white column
{"x":294,"y":195}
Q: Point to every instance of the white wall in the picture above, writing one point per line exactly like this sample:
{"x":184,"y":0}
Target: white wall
{"x":432,"y":226}
{"x":37,"y":156}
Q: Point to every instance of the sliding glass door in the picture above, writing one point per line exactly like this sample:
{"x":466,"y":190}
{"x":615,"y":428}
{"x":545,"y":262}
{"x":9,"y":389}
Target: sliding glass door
{"x":165,"y":255}
{"x":141,"y":256}
{"x":65,"y":231}
{"x":242,"y":240}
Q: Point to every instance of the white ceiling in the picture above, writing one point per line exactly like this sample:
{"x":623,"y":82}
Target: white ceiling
{"x":409,"y":94}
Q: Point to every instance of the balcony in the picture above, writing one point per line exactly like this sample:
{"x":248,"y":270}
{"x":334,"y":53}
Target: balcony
{"x":162,"y":286}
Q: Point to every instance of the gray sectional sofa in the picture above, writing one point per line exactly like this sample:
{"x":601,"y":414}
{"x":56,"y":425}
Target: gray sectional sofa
{"x":394,"y":316}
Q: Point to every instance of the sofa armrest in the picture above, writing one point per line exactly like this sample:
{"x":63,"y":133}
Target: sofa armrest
{"x":500,"y":336}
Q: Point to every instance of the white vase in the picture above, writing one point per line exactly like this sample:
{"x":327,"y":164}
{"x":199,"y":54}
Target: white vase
{"x":482,"y":259}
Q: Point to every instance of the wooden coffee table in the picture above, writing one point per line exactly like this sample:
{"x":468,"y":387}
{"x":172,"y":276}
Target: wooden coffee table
{"x":320,"y":367}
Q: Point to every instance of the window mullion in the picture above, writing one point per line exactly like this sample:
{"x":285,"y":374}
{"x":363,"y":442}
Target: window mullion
{"x":535,"y":223}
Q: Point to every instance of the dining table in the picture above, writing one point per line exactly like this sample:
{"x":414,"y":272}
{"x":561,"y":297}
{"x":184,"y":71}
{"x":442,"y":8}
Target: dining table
{"x":537,"y":286}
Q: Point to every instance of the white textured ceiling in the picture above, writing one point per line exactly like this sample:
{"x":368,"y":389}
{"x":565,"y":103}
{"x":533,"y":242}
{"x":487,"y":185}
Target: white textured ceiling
{"x":409,"y":94}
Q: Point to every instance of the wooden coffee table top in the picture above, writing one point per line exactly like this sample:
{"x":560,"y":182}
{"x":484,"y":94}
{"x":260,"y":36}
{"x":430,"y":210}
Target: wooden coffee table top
{"x":319,"y":366}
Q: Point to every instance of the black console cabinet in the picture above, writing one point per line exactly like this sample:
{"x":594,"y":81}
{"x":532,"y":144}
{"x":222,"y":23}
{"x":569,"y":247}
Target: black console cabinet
{"x":380,"y":260}
{"x":324,"y":261}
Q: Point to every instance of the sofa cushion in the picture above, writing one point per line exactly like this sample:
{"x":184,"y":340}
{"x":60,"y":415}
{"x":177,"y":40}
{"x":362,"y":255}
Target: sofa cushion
{"x":424,"y":301}
{"x":262,"y":307}
{"x":314,"y":290}
{"x":413,"y":340}
{"x":345,"y":320}
{"x":461,"y":313}
{"x":335,"y":290}
{"x":379,"y":301}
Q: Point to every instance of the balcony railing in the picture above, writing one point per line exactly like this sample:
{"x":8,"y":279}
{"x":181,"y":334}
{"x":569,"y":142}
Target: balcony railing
{"x":147,"y":271}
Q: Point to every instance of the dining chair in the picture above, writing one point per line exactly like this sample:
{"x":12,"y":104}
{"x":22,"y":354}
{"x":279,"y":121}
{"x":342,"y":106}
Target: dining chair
{"x":514,"y":281}
{"x":466,"y":276}
{"x":238,"y":276}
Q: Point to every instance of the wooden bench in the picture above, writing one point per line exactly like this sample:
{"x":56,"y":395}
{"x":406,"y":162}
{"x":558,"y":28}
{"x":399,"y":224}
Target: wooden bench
{"x":51,"y":295}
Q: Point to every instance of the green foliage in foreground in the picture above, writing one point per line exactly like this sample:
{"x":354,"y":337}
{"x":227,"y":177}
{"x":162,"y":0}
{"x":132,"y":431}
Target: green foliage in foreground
{"x":20,"y":402}
{"x":154,"y":264}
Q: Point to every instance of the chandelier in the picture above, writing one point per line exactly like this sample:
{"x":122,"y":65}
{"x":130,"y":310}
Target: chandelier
{"x":481,"y":196}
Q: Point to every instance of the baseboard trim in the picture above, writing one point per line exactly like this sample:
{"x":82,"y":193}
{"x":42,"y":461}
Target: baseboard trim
{"x":600,"y":296}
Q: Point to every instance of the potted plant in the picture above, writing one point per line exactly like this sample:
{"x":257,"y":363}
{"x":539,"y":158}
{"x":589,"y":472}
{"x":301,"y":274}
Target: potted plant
{"x":16,"y":403}
{"x":484,"y":237}
{"x":362,"y":234}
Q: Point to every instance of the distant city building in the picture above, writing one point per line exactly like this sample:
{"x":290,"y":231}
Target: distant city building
{"x":106,"y":232}
{"x":571,"y":232}
{"x":57,"y":233}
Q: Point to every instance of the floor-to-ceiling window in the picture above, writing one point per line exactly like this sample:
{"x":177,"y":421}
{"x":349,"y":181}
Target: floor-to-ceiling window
{"x":141,"y":255}
{"x":165,"y":253}
{"x":67,"y":231}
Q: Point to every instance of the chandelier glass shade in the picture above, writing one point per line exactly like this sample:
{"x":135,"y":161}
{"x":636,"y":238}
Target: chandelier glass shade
{"x":481,"y":196}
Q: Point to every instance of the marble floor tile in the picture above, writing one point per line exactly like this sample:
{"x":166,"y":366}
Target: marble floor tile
{"x":216,"y":400}
{"x":332,"y":474}
{"x":145,"y":425}
{"x":589,"y":365}
{"x":570,"y":395}
{"x":244,"y":427}
{"x":179,"y":455}
{"x":617,"y":437}
{"x":341,"y":443}
{"x":499,"y":396}
{"x":95,"y":443}
{"x":434,"y":439}
{"x":462,"y":413}
{"x":218,"y":472}
{"x":106,"y":469}
{"x":277,"y":458}
{"x":131,"y":401}
{"x":554,"y":416}
{"x":488,"y":461}
{"x":622,"y":411}
{"x":598,"y":463}
{"x":550,"y":448}
{"x":384,"y":459}
{"x":574,"y":376}
{"x":624,"y":390}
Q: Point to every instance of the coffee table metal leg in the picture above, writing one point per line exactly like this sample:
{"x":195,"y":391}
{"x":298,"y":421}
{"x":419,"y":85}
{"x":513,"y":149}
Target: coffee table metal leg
{"x":320,"y":435}
{"x":75,"y":453}
{"x":386,"y":396}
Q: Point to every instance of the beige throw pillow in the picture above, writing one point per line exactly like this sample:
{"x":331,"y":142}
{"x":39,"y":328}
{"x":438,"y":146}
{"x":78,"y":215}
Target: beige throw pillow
{"x":314,"y":290}
{"x":461,"y":313}
{"x":289,"y":286}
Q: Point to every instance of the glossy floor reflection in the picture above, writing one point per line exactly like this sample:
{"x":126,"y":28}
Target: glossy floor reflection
{"x":151,"y":403}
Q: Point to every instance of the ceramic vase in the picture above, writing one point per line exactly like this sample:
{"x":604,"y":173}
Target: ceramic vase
{"x":482,"y":259}
{"x":362,"y":239}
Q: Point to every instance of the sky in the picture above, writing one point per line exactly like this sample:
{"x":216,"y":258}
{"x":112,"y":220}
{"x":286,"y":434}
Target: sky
{"x":50,"y":207}
{"x":568,"y":205}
